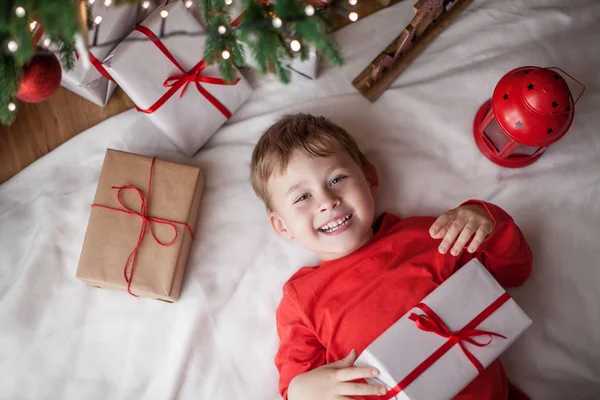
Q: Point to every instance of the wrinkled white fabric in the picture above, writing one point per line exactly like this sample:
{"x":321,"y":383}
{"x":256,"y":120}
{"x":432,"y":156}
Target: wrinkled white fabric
{"x":61,"y":339}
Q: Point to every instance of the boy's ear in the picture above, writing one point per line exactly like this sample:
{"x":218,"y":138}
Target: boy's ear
{"x":278,"y":225}
{"x":373,"y":179}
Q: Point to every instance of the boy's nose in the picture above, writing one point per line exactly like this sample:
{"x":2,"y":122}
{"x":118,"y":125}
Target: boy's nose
{"x":329,"y":202}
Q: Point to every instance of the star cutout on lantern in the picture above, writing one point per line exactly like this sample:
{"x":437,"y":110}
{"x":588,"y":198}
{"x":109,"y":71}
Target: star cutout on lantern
{"x":519,"y":124}
{"x":550,"y":130}
{"x":505,"y":97}
{"x":526,"y":71}
{"x":555,"y":76}
{"x":530,"y":86}
{"x":568,"y":108}
{"x":554,"y":104}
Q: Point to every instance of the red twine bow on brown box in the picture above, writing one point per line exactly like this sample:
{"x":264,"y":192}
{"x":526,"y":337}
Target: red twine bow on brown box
{"x":431,"y":322}
{"x":182,"y":81}
{"x":146,"y":224}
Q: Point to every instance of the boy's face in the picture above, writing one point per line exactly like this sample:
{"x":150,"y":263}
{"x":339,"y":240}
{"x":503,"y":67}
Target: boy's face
{"x":326,"y":203}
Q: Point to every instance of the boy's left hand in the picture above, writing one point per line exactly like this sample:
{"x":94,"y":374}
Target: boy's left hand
{"x":462,"y":222}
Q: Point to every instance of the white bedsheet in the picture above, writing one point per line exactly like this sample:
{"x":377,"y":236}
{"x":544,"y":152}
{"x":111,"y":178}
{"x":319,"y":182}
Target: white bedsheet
{"x":61,"y":339}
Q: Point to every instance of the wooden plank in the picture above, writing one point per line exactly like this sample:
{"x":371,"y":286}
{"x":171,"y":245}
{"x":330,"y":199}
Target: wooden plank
{"x":372,"y":90}
{"x":363,"y":8}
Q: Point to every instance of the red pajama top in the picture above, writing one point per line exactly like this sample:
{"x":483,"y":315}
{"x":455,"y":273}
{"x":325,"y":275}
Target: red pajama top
{"x":346,"y":303}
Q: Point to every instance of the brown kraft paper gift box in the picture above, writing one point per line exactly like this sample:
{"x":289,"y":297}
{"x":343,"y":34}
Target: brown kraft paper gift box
{"x":175,"y":193}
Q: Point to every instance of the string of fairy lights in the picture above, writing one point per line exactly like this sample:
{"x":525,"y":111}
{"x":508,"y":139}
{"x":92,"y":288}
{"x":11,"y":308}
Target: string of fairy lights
{"x":295,"y":45}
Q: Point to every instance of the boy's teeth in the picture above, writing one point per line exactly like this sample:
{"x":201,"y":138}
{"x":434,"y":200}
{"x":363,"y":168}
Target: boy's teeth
{"x":333,"y":226}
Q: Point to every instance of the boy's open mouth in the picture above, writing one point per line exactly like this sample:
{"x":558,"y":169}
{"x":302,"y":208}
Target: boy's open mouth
{"x":336,"y":225}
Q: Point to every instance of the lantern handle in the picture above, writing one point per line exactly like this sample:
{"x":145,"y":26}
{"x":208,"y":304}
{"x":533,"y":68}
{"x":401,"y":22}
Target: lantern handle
{"x":580,"y":84}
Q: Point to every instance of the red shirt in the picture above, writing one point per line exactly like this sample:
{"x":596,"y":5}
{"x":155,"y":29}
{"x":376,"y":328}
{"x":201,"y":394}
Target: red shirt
{"x":346,"y":303}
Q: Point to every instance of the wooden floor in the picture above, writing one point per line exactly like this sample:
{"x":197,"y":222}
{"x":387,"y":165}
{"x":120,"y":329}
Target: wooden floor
{"x":40,"y":128}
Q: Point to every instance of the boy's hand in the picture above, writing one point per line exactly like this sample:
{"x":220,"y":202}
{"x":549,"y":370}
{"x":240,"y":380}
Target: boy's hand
{"x":331,"y":381}
{"x":462,"y":222}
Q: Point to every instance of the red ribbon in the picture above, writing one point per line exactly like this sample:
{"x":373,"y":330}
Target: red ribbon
{"x":182,"y":81}
{"x":146,"y":224}
{"x":96,"y":63}
{"x":431,"y":322}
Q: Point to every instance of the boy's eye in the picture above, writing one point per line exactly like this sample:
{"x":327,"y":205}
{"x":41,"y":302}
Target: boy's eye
{"x":336,"y":180}
{"x":301,"y":198}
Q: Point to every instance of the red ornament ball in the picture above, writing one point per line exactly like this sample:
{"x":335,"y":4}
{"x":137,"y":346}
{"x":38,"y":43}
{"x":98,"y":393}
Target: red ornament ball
{"x":41,"y":78}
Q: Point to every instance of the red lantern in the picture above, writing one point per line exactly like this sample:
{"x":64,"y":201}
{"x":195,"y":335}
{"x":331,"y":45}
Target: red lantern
{"x":531,"y":108}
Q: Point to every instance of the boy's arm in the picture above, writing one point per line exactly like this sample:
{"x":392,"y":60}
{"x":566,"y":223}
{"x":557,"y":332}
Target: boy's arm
{"x":299,"y":348}
{"x":504,"y":252}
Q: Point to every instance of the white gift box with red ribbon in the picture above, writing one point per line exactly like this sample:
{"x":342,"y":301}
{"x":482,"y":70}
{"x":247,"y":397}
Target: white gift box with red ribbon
{"x":165,"y":75}
{"x":88,"y":78}
{"x":443,"y":343}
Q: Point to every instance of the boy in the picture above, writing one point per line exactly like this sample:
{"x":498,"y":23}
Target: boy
{"x":319,"y":189}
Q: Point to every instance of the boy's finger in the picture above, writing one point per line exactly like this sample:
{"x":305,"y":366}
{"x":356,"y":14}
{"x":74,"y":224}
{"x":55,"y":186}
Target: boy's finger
{"x":463,"y":238}
{"x":441,"y":222}
{"x":477,"y":240}
{"x":350,"y":374}
{"x":455,"y":228}
{"x":361,"y":389}
{"x":346,"y":361}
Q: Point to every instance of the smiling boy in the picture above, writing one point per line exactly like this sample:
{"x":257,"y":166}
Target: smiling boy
{"x":319,"y":189}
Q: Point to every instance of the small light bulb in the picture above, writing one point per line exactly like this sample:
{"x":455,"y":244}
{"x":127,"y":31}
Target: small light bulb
{"x":189,"y":3}
{"x":228,"y":2}
{"x":309,"y":10}
{"x":225,"y":54}
{"x":97,"y":20}
{"x":13,"y":46}
{"x":20,"y":11}
{"x":146,"y":5}
{"x":164,"y":14}
{"x":107,"y":3}
{"x":277,"y":22}
{"x":295,"y":45}
{"x":352,"y":2}
{"x":12,"y":106}
{"x":221,"y":29}
{"x":91,"y":2}
{"x":32,"y":25}
{"x":47,"y":42}
{"x":353,"y":16}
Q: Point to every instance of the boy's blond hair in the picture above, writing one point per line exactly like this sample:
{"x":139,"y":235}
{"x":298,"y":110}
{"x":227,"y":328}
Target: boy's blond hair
{"x":311,"y":135}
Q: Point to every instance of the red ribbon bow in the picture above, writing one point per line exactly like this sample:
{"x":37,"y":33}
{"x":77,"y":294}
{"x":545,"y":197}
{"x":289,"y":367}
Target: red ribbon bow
{"x":431,"y":322}
{"x":146,"y":224}
{"x":182,"y":81}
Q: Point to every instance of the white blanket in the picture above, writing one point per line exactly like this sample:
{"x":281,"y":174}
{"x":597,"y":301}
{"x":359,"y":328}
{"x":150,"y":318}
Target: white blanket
{"x":61,"y":339}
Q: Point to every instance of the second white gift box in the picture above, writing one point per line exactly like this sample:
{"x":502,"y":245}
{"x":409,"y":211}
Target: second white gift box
{"x":443,"y":343}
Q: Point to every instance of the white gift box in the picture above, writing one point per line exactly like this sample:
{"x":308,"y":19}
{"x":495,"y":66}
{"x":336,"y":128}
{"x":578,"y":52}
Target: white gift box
{"x":188,"y":107}
{"x":94,"y":87}
{"x":417,"y":361}
{"x":308,"y":68}
{"x":86,"y":78}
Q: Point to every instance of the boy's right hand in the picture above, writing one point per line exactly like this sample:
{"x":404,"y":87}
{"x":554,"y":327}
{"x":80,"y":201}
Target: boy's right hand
{"x":332,"y":381}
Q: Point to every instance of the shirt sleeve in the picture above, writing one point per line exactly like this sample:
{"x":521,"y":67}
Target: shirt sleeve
{"x":299,"y":348}
{"x":505,"y":251}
